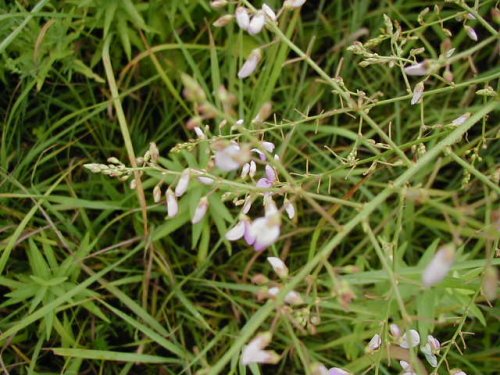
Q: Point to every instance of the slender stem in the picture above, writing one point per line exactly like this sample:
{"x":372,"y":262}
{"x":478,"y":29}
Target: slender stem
{"x":263,"y":313}
{"x":124,"y":129}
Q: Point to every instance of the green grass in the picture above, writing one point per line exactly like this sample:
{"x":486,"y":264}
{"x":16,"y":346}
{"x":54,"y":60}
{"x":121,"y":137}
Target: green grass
{"x":95,"y":278}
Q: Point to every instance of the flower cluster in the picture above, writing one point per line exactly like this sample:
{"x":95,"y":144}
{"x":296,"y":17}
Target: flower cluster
{"x":253,"y":21}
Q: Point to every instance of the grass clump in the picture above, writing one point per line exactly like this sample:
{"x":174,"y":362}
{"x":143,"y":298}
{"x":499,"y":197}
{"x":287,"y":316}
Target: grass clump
{"x":195,"y":187}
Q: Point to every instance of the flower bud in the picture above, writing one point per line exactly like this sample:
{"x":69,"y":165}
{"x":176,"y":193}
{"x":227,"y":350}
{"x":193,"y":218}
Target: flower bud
{"x":257,"y":23}
{"x":172,"y":205}
{"x":292,"y":4}
{"x":420,"y":69}
{"x":279,"y":267}
{"x":183,"y":183}
{"x":439,"y":266}
{"x":157,"y":193}
{"x":200,"y":211}
{"x":418,"y":92}
{"x":223,"y":20}
{"x":242,"y":17}
{"x":250,"y":64}
{"x":410,"y":339}
{"x":374,"y":343}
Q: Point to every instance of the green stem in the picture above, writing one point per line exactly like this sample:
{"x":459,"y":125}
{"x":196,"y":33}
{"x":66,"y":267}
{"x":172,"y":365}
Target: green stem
{"x":263,"y":313}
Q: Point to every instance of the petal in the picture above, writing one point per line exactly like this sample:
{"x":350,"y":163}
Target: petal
{"x":242,"y":17}
{"x":439,"y":266}
{"x":200,"y":210}
{"x":257,"y":23}
{"x":172,"y":205}
{"x":183,"y":183}
{"x":279,"y":266}
{"x":236,"y":232}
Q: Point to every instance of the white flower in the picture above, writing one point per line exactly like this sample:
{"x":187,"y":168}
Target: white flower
{"x":289,"y":208}
{"x":418,"y":92}
{"x":374,"y":343}
{"x":279,"y":267}
{"x":408,"y":370}
{"x":254,"y":353}
{"x":250,"y":64}
{"x":229,"y":158}
{"x":183,"y":183}
{"x":257,"y":23}
{"x":245,"y":170}
{"x":218,"y":4}
{"x":395,"y":330}
{"x":270,"y":207}
{"x":457,"y":371}
{"x":199,"y":132}
{"x":268,"y":146}
{"x":253,"y":169}
{"x":247,"y":205}
{"x":434,"y":343}
{"x":273,"y":291}
{"x":293,"y":3}
{"x":265,"y":230}
{"x":206,"y":180}
{"x":200,"y":211}
{"x":269,"y":12}
{"x":172,"y":205}
{"x":439,"y":266}
{"x":293,"y":298}
{"x":338,"y":371}
{"x":410,"y":339}
{"x":471,"y":33}
{"x":420,"y":69}
{"x":236,"y":232}
{"x":242,"y":17}
{"x":461,"y":120}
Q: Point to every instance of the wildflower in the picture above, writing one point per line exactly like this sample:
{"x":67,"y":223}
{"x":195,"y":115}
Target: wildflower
{"x":253,"y":169}
{"x":410,"y":339}
{"x":200,"y":211}
{"x":461,"y":120}
{"x":250,"y":64}
{"x":183,"y":183}
{"x":395,"y":330}
{"x":265,"y":231}
{"x":273,"y":291}
{"x":471,"y":33}
{"x":236,"y":232}
{"x":240,"y":122}
{"x":157,"y":193}
{"x":268,"y":146}
{"x":199,"y":132}
{"x":291,"y":4}
{"x":279,"y":267}
{"x":420,"y":69}
{"x":247,"y":205}
{"x":374,"y":343}
{"x":269,"y":205}
{"x":218,"y":4}
{"x":490,"y":280}
{"x":254,"y":353}
{"x":439,"y":266}
{"x":269,"y":12}
{"x":289,"y":208}
{"x":257,"y":23}
{"x":430,"y":349}
{"x":172,"y":205}
{"x":223,"y":20}
{"x":407,"y":368}
{"x":245,"y":170}
{"x":242,"y":17}
{"x":293,"y":298}
{"x":230,"y":157}
{"x":262,"y":156}
{"x":206,"y":180}
{"x":337,"y":371}
{"x":418,"y":92}
{"x":457,"y":371}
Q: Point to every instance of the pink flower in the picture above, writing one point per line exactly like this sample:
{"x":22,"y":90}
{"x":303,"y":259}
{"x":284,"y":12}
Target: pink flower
{"x":420,"y":69}
{"x":374,"y":343}
{"x":172,"y":205}
{"x":291,"y":4}
{"x":279,"y":267}
{"x":242,"y":17}
{"x":230,"y":157}
{"x":439,"y":266}
{"x":257,"y":23}
{"x":236,"y":232}
{"x":410,"y":339}
{"x":265,"y":230}
{"x":200,"y":211}
{"x":250,"y":64}
{"x":183,"y":183}
{"x":254,"y":353}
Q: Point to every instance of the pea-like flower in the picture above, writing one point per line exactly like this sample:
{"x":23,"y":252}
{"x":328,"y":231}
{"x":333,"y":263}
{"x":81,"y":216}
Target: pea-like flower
{"x":254,"y":352}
